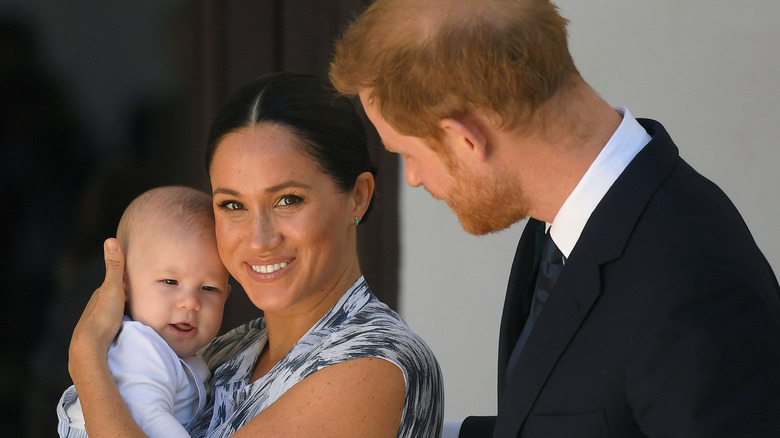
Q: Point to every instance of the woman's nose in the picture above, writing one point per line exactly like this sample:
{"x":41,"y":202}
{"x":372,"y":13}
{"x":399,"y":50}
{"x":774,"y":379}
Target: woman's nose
{"x":264,"y":234}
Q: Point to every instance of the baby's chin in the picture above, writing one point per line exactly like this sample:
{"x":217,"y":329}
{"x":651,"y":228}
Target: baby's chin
{"x":186,"y":353}
{"x":187,"y":350}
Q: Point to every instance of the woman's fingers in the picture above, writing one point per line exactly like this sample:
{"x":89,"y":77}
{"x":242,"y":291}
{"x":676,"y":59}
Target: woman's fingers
{"x":115,"y":263}
{"x":113,"y":287}
{"x":107,"y":304}
{"x":100,"y":321}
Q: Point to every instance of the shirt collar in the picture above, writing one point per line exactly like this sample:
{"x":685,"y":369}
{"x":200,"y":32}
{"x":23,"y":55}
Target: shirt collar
{"x":629,"y":138}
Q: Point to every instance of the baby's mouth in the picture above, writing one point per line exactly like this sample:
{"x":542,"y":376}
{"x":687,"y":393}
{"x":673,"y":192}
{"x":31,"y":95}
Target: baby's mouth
{"x":183,"y":326}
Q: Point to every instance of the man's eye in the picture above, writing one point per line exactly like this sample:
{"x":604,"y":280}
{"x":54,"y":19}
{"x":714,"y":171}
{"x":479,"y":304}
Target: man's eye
{"x":231,"y":205}
{"x":170,"y":282}
{"x":288,"y":200}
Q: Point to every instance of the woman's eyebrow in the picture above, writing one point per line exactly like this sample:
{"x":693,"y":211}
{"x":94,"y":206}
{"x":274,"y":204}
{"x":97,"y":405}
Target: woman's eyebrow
{"x":271,"y":189}
{"x":287,"y":184}
{"x":223,"y":191}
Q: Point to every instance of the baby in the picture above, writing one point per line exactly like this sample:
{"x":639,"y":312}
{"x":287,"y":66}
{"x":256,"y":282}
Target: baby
{"x":176,"y":287}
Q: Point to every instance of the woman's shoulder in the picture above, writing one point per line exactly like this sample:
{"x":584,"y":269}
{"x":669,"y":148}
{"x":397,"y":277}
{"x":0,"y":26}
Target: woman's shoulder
{"x":360,"y":310}
{"x":383,"y":328}
{"x":379,"y":332}
{"x":375,"y":330}
{"x":375,"y":317}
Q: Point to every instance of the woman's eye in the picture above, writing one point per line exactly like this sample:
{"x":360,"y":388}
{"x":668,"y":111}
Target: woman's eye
{"x":288,"y":200}
{"x":231,"y":205}
{"x":170,"y":282}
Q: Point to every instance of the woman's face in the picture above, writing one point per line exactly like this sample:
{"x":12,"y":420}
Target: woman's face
{"x":284,"y":230}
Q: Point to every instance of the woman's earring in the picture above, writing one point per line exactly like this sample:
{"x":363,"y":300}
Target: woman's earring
{"x":357,"y":221}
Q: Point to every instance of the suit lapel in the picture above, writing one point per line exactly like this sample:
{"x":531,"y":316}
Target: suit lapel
{"x":575,"y":292}
{"x":579,"y":286}
{"x":513,"y":318}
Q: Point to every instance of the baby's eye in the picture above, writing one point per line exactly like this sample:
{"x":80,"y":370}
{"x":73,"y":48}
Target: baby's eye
{"x":170,"y":281}
{"x":231,"y":205}
{"x":210,"y":288}
{"x":288,"y":200}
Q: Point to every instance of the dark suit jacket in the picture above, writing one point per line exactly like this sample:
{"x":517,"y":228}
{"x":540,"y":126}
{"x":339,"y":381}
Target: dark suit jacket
{"x":665,"y":321}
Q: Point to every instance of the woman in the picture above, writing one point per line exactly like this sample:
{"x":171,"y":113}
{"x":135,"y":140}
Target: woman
{"x":291,"y":181}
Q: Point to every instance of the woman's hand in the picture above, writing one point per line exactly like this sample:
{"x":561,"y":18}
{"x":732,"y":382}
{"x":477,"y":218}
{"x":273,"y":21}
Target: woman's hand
{"x":102,"y":317}
{"x":105,"y":413}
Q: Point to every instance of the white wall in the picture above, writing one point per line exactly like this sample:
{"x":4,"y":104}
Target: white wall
{"x":708,"y":70}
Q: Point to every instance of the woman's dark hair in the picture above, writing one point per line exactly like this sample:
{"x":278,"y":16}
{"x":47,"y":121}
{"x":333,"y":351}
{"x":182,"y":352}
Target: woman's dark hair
{"x":327,"y":124}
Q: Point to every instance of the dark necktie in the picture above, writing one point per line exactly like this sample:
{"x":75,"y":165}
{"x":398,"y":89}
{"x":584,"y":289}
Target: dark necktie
{"x":550,"y":265}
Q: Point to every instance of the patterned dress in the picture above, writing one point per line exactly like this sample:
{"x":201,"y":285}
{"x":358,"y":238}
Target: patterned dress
{"x":359,"y":325}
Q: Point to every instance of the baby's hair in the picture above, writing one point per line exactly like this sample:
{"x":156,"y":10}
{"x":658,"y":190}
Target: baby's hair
{"x":188,"y":209}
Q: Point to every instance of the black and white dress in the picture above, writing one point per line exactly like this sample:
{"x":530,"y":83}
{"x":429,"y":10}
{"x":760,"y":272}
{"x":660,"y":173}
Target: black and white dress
{"x":359,"y":325}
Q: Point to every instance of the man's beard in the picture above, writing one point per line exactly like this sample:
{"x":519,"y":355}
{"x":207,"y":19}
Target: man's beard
{"x":485,"y":204}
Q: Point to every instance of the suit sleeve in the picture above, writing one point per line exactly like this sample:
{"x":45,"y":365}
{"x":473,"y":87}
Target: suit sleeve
{"x":477,"y":427}
{"x":707,"y":360}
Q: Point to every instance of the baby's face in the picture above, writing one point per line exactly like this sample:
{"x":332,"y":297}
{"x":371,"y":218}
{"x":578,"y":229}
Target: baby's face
{"x":177,"y":285}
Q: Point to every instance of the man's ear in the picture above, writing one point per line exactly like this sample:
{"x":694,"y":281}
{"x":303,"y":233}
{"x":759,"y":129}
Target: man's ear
{"x":468,"y":132}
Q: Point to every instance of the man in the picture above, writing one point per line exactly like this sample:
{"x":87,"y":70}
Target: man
{"x":638,"y":303}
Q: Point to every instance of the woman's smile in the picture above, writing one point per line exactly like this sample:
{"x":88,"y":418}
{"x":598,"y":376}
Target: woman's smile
{"x":269,"y":269}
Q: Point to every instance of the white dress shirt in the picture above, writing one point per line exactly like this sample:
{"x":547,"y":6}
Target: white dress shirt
{"x":629,"y":138}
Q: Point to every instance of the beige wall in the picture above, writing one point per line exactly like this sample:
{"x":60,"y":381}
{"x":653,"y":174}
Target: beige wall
{"x":708,"y":70}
